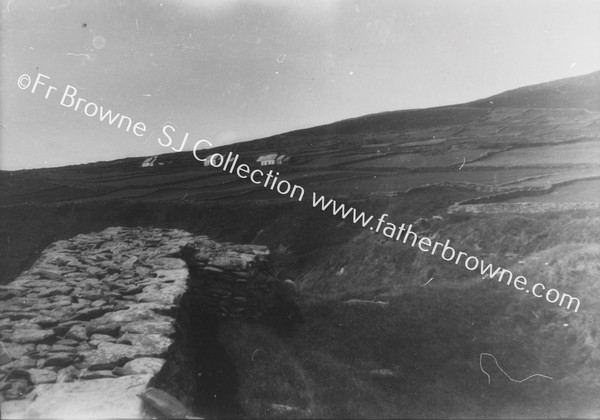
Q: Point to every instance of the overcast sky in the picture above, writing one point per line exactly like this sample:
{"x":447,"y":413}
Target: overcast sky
{"x":227,"y":70}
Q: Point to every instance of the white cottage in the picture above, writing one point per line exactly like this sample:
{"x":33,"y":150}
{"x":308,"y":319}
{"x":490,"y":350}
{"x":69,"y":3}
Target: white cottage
{"x":207,"y":160}
{"x":149,"y":162}
{"x":267,"y":160}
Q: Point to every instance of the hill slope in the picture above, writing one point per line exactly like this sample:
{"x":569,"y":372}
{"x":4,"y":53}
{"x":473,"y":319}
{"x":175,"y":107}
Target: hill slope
{"x":417,"y":352}
{"x":574,"y":92}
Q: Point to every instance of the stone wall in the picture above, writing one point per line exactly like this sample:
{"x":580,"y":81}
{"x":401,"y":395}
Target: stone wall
{"x":521,"y":208}
{"x":88,"y":326}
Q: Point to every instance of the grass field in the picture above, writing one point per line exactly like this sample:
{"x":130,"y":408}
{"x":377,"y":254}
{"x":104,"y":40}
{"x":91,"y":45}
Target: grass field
{"x":576,"y":192}
{"x":584,"y":153}
{"x":419,"y":160}
{"x":418,"y":354}
{"x":421,"y":354}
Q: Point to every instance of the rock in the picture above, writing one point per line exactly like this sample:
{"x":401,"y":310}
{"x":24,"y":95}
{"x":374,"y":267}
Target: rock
{"x":60,"y":348}
{"x":25,"y":325}
{"x":110,"y":355}
{"x":103,"y":338}
{"x":91,"y":295}
{"x":119,"y":371}
{"x":170,"y":294}
{"x":42,"y":376}
{"x":150,"y":365}
{"x":142,"y":271}
{"x":213,"y":269}
{"x":112,"y":269}
{"x":5,"y":335}
{"x":104,"y":329}
{"x":48,"y":274}
{"x":45,"y":321}
{"x":96,"y":374}
{"x":167,"y":405}
{"x":17,"y":351}
{"x":12,"y":288}
{"x":98,"y":303}
{"x":77,"y":304}
{"x":69,"y":324}
{"x":154,"y":343}
{"x":54,"y":291}
{"x":68,"y":374}
{"x":95,"y":272}
{"x":63,"y":314}
{"x":25,"y":362}
{"x":98,"y":398}
{"x":67,"y":342}
{"x":123,"y":350}
{"x":15,"y":315}
{"x":31,"y":336}
{"x":84,"y":346}
{"x":42,"y":349}
{"x":90,"y":313}
{"x":60,"y":359}
{"x":129,"y":264}
{"x":165,"y":328}
{"x":59,"y":260}
{"x":130,"y":290}
{"x":77,"y":333}
{"x":125,"y":339}
{"x":61,"y":329}
{"x":5,"y":356}
{"x":64,"y":301}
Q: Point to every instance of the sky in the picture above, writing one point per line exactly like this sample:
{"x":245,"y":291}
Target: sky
{"x":230,"y":70}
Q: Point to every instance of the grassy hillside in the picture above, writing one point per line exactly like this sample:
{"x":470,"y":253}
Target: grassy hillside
{"x":419,"y":355}
{"x":574,"y":92}
{"x":388,"y":330}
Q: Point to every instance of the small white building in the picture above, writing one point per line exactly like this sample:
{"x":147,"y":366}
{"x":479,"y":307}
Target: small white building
{"x":149,"y":162}
{"x":207,"y":160}
{"x":267,"y":160}
{"x":273,"y":159}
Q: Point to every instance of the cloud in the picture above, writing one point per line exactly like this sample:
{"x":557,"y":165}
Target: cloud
{"x":226,"y":137}
{"x":318,"y":7}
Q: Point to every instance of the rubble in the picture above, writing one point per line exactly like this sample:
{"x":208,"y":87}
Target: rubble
{"x":86,"y":328}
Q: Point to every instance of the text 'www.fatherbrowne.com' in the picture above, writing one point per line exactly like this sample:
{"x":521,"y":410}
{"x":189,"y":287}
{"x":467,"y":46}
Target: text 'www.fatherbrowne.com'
{"x":448,"y":253}
{"x":272,"y":181}
{"x":69,"y":98}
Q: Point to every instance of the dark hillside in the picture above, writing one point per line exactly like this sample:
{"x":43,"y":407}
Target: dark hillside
{"x":575,"y":92}
{"x":390,"y":331}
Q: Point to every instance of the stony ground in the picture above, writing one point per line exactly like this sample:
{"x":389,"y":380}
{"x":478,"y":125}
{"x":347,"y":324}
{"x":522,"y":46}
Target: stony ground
{"x":87,"y":327}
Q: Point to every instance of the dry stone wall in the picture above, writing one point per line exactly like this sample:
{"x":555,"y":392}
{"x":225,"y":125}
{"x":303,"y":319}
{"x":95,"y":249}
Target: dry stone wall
{"x":521,"y":208}
{"x":86,"y":328}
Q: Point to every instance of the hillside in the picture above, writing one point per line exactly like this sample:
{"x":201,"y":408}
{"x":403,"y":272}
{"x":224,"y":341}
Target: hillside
{"x":418,"y":352}
{"x":574,"y":92}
